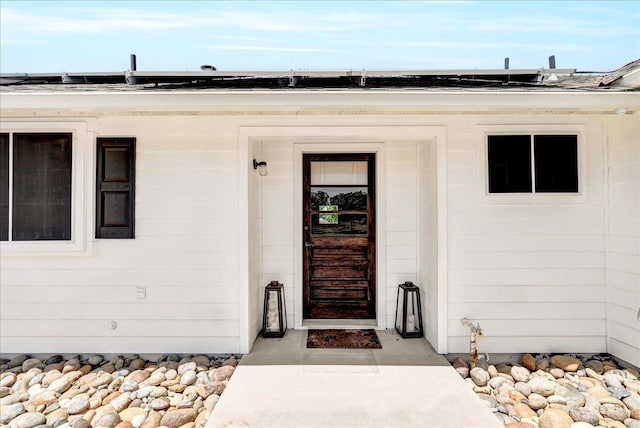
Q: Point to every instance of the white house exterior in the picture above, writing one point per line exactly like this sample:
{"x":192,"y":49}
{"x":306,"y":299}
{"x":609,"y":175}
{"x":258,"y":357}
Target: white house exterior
{"x":541,"y":272}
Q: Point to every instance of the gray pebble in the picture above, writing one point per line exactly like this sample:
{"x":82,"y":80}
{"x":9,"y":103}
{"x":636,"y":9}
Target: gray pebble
{"x":30,"y":363}
{"x":94,"y":360}
{"x":17,"y":361}
{"x":614,"y":412}
{"x":575,"y":399}
{"x":54,"y":359}
{"x":584,"y":414}
{"x":617,"y":392}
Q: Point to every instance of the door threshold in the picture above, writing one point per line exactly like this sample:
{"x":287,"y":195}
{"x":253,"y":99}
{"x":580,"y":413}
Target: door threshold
{"x":337,"y":323}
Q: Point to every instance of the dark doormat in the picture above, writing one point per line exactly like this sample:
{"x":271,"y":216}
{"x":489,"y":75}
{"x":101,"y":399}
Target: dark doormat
{"x":346,"y":339}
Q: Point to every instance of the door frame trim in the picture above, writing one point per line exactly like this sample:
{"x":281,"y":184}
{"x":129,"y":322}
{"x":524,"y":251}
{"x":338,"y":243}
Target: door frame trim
{"x":322,"y":136}
{"x":372,"y":233}
{"x":338,"y":147}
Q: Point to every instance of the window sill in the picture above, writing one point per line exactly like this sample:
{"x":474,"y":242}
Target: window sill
{"x":45,"y":248}
{"x":533,"y":198}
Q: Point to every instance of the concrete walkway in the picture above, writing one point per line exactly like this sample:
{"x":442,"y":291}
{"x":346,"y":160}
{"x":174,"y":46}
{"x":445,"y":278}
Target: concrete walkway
{"x":283,"y":384}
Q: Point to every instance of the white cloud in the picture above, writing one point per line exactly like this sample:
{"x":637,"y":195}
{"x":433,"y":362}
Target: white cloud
{"x":545,"y":25}
{"x":266,"y":48}
{"x":119,"y":19}
{"x":107,"y":21}
{"x":547,"y":47}
{"x":91,"y":20}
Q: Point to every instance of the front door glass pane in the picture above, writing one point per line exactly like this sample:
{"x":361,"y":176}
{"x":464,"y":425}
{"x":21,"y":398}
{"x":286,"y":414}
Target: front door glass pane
{"x":338,"y":224}
{"x":339,"y":173}
{"x":339,"y":198}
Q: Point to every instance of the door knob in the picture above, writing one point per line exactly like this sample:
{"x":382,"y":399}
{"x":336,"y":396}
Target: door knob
{"x":308,"y":244}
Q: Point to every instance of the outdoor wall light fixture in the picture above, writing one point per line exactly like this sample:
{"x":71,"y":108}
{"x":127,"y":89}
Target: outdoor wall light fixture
{"x":261,"y":167}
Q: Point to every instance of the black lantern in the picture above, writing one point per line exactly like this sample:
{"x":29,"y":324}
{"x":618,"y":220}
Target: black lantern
{"x":274,"y":319}
{"x":409,"y":311}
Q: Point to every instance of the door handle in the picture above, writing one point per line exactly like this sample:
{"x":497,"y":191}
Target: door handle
{"x":308,"y":244}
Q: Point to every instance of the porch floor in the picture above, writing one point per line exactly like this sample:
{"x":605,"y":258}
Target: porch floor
{"x":281,"y":383}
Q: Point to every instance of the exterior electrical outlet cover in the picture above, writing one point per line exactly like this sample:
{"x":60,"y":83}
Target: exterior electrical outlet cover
{"x":141,"y":292}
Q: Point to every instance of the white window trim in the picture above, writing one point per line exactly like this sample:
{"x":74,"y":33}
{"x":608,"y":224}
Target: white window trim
{"x":80,"y":192}
{"x":484,"y":197}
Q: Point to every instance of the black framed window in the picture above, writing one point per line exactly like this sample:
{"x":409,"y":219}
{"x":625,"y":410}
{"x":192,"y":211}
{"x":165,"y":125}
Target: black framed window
{"x":556,"y":162}
{"x":532,"y":163}
{"x":115,"y":193}
{"x":509,"y":163}
{"x":36,"y":204}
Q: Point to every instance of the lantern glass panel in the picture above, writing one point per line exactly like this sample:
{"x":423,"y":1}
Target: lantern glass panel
{"x":399,"y":314}
{"x":412,"y":310}
{"x":273,"y":316}
{"x":283,"y":311}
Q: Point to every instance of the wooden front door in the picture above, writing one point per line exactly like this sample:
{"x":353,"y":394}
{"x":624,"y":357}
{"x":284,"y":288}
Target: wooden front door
{"x":339,"y":236}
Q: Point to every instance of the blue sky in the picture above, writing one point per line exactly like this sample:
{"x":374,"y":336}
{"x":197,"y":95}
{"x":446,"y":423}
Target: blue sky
{"x":83,"y":36}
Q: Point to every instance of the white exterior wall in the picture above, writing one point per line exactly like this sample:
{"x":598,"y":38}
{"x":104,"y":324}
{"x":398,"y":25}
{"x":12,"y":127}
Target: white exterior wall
{"x":185,"y":253}
{"x":531,"y":273}
{"x":255,"y":298}
{"x":427,"y":158}
{"x":534,"y":274}
{"x":401,"y":222}
{"x":278,"y":220}
{"x":623,"y":237}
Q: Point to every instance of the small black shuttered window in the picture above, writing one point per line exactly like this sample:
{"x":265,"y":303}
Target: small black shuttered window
{"x":533,"y":163}
{"x":115,"y":180}
{"x":35,"y":205}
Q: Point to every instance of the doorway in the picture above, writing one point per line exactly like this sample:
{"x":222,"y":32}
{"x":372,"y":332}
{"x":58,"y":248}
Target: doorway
{"x":339,"y":236}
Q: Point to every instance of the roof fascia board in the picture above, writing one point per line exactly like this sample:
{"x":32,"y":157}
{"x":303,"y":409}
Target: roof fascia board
{"x":349,"y":73}
{"x":335,"y":100}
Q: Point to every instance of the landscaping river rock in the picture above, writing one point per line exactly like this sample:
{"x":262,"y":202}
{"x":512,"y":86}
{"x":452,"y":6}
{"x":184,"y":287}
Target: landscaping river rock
{"x":560,"y":391}
{"x":122,"y":392}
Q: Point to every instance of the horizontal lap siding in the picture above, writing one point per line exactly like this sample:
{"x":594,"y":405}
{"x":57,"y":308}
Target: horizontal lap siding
{"x":126,"y":328}
{"x":185,"y":254}
{"x":532,"y":275}
{"x":180,"y":292}
{"x":277,"y":229}
{"x":401,"y":220}
{"x":255,"y":292}
{"x":183,"y":343}
{"x":623,"y":239}
{"x":427,"y":237}
{"x":130,"y":311}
